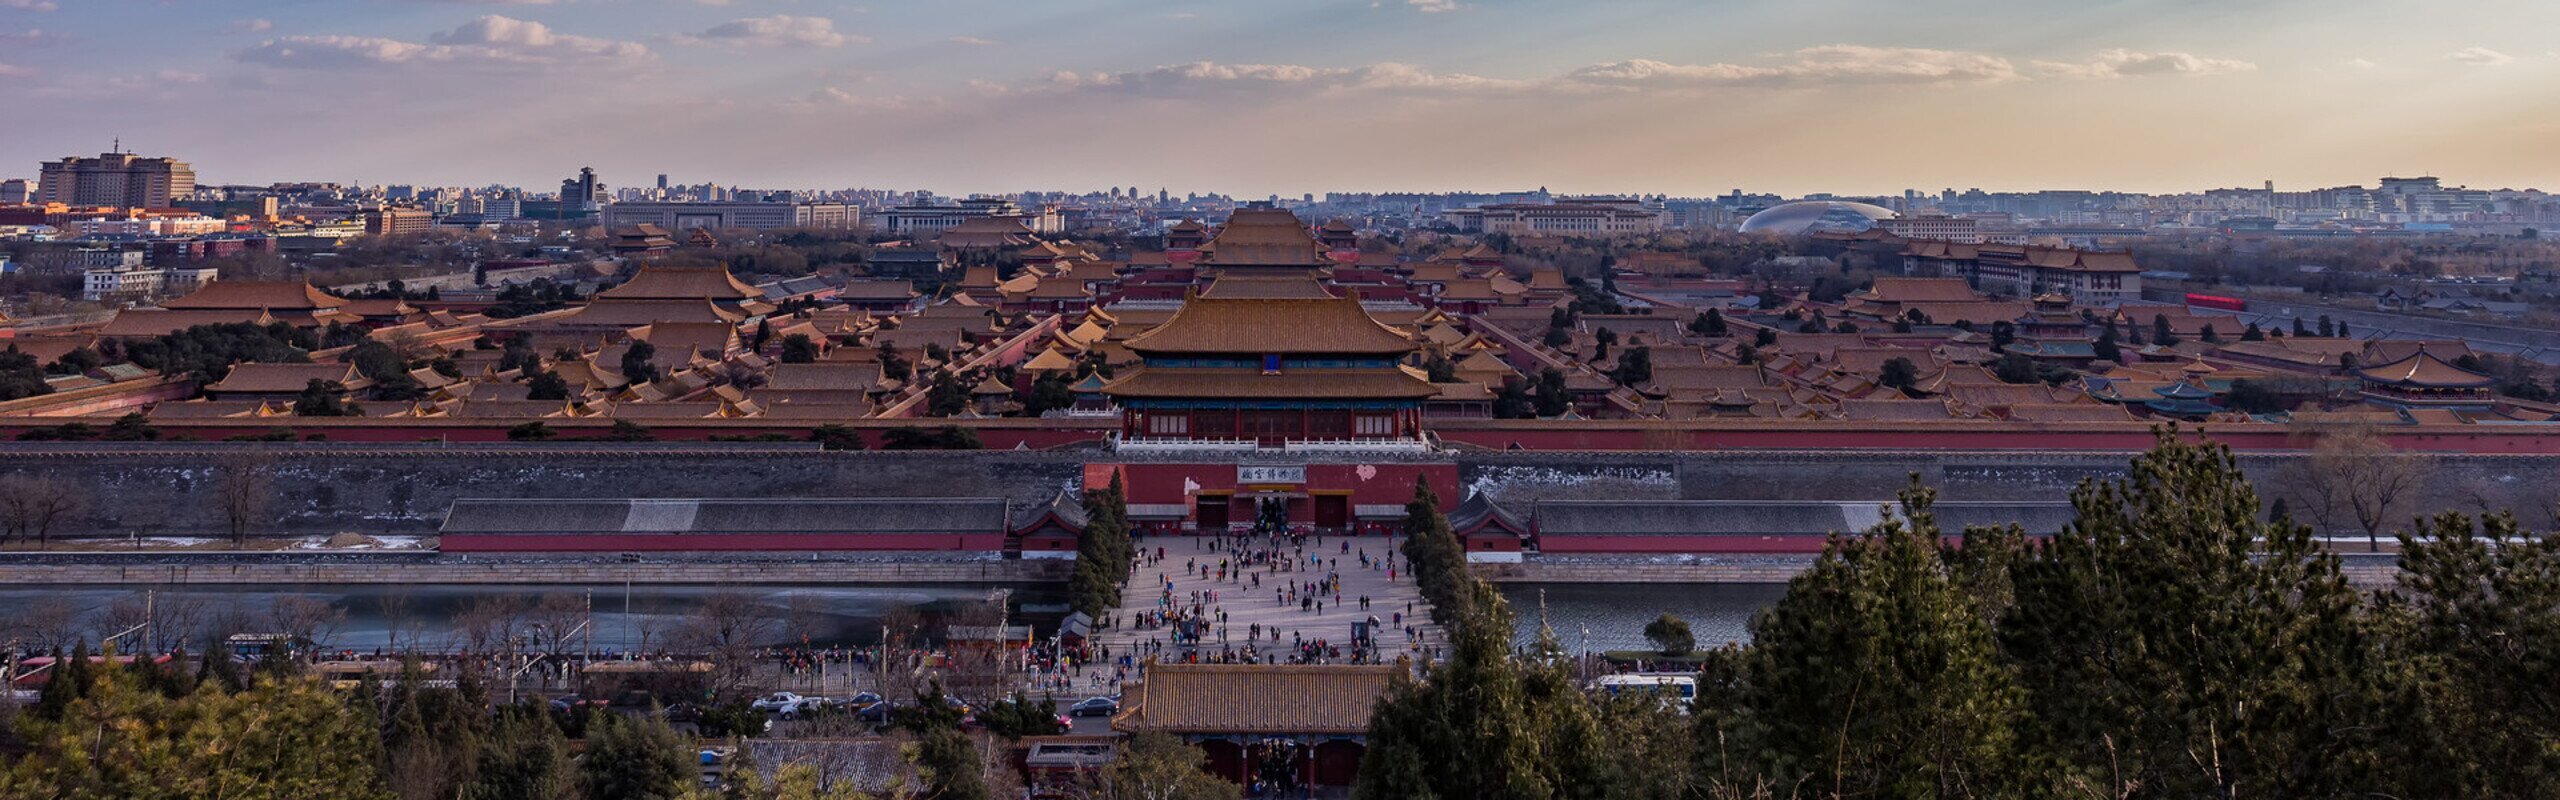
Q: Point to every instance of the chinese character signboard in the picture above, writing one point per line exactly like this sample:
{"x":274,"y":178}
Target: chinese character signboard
{"x":1251,"y":474}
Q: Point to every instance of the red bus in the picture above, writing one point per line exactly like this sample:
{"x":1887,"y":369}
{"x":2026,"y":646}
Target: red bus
{"x":2217,"y":301}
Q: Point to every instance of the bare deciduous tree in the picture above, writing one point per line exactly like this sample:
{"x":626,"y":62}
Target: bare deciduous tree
{"x":2352,"y":477}
{"x":305,"y":618}
{"x":726,"y":630}
{"x":805,"y":617}
{"x":488,"y":623}
{"x":34,"y":504}
{"x":554,"y":617}
{"x":399,"y":617}
{"x":243,"y":487}
{"x":47,"y":623}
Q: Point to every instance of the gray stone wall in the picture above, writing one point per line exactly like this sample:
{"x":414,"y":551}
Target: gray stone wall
{"x":169,"y":489}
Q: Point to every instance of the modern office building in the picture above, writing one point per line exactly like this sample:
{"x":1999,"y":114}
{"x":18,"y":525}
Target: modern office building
{"x":927,"y":220}
{"x":684,"y":216}
{"x":398,"y":221}
{"x":582,"y":192}
{"x":1600,"y":216}
{"x":116,"y":179}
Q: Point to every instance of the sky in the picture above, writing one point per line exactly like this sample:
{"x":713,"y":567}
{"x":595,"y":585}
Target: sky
{"x":1679,"y":97}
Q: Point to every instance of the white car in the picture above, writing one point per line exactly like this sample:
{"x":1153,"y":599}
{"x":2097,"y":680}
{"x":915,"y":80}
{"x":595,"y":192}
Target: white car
{"x":786,"y":703}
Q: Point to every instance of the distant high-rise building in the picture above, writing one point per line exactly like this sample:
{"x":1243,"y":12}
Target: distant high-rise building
{"x":16,"y":190}
{"x":398,"y":221}
{"x":116,"y":179}
{"x":583,"y":191}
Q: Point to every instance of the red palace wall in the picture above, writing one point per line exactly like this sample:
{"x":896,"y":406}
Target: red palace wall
{"x":623,"y":543}
{"x":1362,"y":484}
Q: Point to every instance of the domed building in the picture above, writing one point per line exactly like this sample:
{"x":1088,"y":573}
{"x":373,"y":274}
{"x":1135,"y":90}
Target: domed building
{"x":1816,"y":216}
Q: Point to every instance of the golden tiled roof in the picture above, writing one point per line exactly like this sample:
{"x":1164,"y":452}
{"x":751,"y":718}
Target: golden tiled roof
{"x":247,"y":295}
{"x":1255,"y":698}
{"x":2423,"y":369}
{"x":1293,"y":384}
{"x":1264,"y":237}
{"x":682,"y":283}
{"x":1267,"y":325}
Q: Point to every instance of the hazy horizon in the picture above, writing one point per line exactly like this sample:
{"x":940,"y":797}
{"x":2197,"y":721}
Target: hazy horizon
{"x":1679,"y":97}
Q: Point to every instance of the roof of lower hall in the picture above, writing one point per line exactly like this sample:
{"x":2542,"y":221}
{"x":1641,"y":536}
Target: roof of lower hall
{"x":278,"y":296}
{"x":1203,"y":383}
{"x":691,"y":516}
{"x":1264,"y":237}
{"x":1255,"y":698}
{"x":2424,"y":370}
{"x":682,"y":283}
{"x":285,"y":378}
{"x":1266,"y":325}
{"x":1480,"y":511}
{"x":1293,"y":286}
{"x":635,"y":313}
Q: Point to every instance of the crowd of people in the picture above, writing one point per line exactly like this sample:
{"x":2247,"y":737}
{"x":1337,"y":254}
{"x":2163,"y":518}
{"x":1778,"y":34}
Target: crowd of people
{"x":1191,"y":607}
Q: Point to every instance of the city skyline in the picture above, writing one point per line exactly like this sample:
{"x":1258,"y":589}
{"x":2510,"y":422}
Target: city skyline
{"x":1689,"y":99}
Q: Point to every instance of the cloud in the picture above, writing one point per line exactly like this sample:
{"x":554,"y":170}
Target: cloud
{"x":2130,"y":64}
{"x":29,"y":5}
{"x":249,"y":26}
{"x":779,"y":30}
{"x":33,"y":36}
{"x":1433,"y":6}
{"x":971,"y":41}
{"x":494,"y":2}
{"x":2479,"y":57}
{"x":2363,"y":63}
{"x":1211,"y":76}
{"x":167,"y":78}
{"x":490,"y":41}
{"x":14,"y":71}
{"x":1841,"y":64}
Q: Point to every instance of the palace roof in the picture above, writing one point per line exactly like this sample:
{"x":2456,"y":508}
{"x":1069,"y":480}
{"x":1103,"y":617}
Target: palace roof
{"x":1920,"y":290}
{"x":250,"y":295}
{"x":286,"y":378}
{"x":681,"y":283}
{"x":1265,"y":325}
{"x":144,"y":322}
{"x":635,"y":313}
{"x":1231,"y":286}
{"x":1292,"y":384}
{"x":1255,"y":698}
{"x":987,"y":232}
{"x":1264,"y":237}
{"x":2424,"y":370}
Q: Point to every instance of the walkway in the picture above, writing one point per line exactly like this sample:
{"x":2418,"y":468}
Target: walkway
{"x":1182,"y":591}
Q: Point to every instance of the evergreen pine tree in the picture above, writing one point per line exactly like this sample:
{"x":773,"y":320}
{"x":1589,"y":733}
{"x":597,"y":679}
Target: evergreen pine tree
{"x":1877,"y":674}
{"x":2174,"y":645}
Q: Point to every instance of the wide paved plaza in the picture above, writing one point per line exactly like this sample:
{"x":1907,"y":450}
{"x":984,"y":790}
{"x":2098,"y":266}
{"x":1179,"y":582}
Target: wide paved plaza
{"x":1263,"y":599}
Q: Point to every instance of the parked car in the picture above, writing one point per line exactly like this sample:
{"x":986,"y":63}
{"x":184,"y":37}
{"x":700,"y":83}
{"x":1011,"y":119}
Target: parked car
{"x":877,"y":713}
{"x":786,"y":703}
{"x":1094,"y":707}
{"x":572,"y":704}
